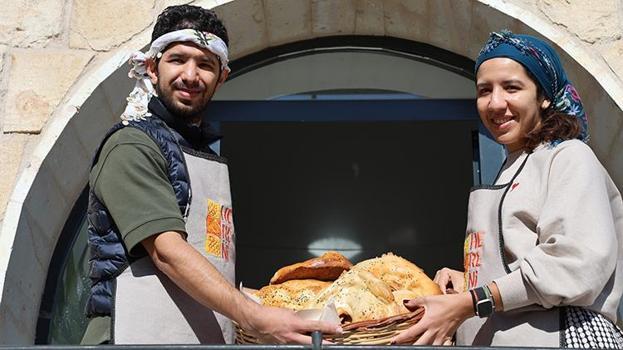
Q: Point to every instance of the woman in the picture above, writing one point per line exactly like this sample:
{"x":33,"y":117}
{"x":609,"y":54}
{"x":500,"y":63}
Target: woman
{"x":544,"y":245}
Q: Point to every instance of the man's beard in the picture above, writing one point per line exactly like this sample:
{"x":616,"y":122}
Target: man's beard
{"x":188,"y":113}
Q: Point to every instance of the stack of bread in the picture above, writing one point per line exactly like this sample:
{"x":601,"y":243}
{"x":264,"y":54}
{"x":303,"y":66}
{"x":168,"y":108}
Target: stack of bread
{"x":370,"y":290}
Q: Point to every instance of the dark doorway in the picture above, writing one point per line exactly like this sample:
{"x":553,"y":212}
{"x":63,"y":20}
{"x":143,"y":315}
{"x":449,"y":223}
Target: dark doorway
{"x":361,"y":188}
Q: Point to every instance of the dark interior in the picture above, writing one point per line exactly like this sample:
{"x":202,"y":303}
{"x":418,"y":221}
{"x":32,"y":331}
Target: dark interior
{"x":384,"y":186}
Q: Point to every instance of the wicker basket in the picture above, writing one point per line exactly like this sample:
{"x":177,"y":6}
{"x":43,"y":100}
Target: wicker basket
{"x":373,"y":332}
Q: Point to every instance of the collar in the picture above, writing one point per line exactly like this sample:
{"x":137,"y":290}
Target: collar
{"x":197,"y":137}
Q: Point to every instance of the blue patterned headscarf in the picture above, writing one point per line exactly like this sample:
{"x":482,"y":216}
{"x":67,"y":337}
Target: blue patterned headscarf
{"x":541,"y":60}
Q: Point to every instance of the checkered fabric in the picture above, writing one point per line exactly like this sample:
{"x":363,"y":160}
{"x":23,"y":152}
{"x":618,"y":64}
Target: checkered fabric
{"x":585,"y":329}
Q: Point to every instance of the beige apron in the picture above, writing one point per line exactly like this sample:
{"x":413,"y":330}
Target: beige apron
{"x":149,"y":307}
{"x":484,"y":261}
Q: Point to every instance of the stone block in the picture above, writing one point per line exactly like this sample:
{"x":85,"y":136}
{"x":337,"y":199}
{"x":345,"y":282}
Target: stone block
{"x":208,"y":4}
{"x":167,"y":3}
{"x":11,"y":152}
{"x":448,"y":20}
{"x":406,"y":19}
{"x":47,"y":206}
{"x":288,"y":21}
{"x":612,"y":53}
{"x":3,"y":50}
{"x":3,"y":81}
{"x":39,"y":243}
{"x":604,"y":126}
{"x":27,"y":23}
{"x":102,"y":25}
{"x":116,"y":89}
{"x":530,"y":5}
{"x":370,"y":18}
{"x":38,"y":80}
{"x":14,"y":330}
{"x":336,"y":17}
{"x":69,"y":163}
{"x":24,"y":281}
{"x":591,"y":21}
{"x":246,"y":26}
{"x":614,"y":162}
{"x":485,"y":20}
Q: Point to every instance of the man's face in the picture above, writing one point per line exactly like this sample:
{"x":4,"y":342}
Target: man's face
{"x":185,"y":78}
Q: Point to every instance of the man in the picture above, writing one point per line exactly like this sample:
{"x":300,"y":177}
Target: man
{"x":160,"y":222}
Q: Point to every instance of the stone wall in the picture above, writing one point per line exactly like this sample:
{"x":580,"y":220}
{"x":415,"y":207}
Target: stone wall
{"x":51,"y":49}
{"x":46,"y":45}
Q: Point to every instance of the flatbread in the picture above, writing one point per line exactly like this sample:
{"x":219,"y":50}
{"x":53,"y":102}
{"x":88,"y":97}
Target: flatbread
{"x":293,"y":294}
{"x":400,"y":274}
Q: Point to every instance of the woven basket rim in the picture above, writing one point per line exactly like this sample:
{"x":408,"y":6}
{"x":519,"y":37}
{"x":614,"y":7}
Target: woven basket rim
{"x":370,"y":332}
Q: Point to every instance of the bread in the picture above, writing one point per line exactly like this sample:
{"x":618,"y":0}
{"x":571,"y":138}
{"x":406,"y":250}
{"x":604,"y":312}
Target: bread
{"x":400,"y":274}
{"x":358,"y":295}
{"x":403,"y":294}
{"x":327,"y":267}
{"x":293,"y":294}
{"x":371,"y":290}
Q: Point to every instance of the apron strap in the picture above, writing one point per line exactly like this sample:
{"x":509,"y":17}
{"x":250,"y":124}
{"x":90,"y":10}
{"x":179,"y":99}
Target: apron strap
{"x":500,"y":231}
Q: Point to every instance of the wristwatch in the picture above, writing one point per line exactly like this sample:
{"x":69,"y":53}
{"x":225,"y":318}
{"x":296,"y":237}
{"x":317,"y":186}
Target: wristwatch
{"x":484,"y":302}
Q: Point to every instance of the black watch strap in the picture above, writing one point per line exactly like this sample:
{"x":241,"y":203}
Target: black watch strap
{"x":484,"y":303}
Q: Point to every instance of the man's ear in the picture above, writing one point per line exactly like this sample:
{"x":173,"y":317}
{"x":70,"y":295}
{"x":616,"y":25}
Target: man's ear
{"x":224,"y":75}
{"x":545,"y":104}
{"x":152,"y":70}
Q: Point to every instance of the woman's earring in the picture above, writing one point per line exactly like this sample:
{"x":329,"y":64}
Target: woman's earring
{"x":545,"y":104}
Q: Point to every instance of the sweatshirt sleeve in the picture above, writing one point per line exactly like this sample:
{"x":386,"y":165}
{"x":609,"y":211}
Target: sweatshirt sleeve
{"x":576,"y":252}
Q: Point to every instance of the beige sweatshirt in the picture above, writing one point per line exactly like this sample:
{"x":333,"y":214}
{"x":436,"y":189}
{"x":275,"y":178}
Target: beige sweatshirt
{"x":563,"y":231}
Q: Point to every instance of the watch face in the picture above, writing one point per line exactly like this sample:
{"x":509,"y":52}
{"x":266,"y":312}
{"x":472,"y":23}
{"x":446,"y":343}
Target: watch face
{"x":484,"y":307}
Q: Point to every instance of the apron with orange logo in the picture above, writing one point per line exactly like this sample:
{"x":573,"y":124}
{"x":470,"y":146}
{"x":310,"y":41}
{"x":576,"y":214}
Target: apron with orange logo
{"x":149,"y":307}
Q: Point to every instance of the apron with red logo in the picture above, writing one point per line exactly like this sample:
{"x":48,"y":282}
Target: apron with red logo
{"x":484,"y":262}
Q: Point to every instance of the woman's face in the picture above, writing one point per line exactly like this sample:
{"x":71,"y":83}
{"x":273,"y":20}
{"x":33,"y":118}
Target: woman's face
{"x":507,"y":101}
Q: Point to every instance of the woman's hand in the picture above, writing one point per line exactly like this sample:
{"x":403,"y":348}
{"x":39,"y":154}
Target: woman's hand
{"x":449,"y":279}
{"x":443,"y":314}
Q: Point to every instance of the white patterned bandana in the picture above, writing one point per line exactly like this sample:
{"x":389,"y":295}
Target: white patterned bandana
{"x":144,"y":90}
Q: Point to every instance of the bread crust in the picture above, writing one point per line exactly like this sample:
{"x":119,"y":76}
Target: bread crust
{"x":327,"y":267}
{"x":400,"y":274}
{"x":292,"y":294}
{"x":370,"y":291}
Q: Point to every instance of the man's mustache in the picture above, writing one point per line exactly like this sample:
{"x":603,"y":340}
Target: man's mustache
{"x":197,"y":87}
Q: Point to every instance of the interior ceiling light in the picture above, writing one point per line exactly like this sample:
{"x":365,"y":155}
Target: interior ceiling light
{"x":345,"y":247}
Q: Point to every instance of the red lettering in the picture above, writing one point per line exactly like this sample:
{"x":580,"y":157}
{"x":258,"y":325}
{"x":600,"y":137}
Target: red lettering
{"x":473,"y":278}
{"x":473,"y":242}
{"x":476,"y":259}
{"x":225,"y":251}
{"x":226,"y":214}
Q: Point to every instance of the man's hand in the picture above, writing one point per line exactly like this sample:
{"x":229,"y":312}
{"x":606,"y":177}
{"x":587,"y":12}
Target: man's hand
{"x":272,"y":325}
{"x":449,"y":279}
{"x":443,"y":314}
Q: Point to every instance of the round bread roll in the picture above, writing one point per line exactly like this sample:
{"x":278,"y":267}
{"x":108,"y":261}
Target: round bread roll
{"x":400,"y":274}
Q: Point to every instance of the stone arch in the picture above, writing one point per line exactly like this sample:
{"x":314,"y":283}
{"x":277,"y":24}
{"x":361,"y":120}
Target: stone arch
{"x":58,"y":167}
